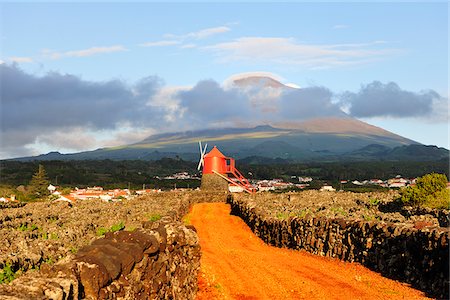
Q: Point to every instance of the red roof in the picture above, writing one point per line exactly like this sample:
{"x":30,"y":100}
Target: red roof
{"x":215,"y":153}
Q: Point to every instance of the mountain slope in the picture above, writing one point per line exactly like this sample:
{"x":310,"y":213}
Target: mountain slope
{"x":302,"y":143}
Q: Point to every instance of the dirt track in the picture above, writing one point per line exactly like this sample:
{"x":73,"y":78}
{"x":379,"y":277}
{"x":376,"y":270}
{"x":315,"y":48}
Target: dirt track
{"x":238,"y":265}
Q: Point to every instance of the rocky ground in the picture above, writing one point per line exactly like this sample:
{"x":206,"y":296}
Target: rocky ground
{"x":374,"y":206}
{"x":45,"y":232}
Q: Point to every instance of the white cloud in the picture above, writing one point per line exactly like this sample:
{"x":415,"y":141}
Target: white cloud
{"x":204,"y":33}
{"x":76,"y":138}
{"x":188,"y":46}
{"x":127,"y":134}
{"x":200,"y":34}
{"x":288,"y":51}
{"x":160,"y":43}
{"x":20,"y":59}
{"x":84,"y":52}
{"x":293,"y":85}
{"x":166,"y":100}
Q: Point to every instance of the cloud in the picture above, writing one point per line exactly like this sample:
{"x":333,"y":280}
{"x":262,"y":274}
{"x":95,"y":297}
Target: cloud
{"x":204,"y":33}
{"x":200,"y":34}
{"x":20,"y":59}
{"x":377,"y":99}
{"x":287,"y":51}
{"x":75,"y":138}
{"x":84,"y":52}
{"x":35,"y":108}
{"x":66,"y":112}
{"x":188,"y":46}
{"x":173,"y":40}
{"x":160,"y":43}
{"x":255,"y":102}
{"x":208,"y":104}
{"x":309,"y":102}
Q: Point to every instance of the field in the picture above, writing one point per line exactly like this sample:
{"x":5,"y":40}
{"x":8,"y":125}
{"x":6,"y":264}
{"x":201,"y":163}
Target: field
{"x":373,"y":206}
{"x":45,"y":232}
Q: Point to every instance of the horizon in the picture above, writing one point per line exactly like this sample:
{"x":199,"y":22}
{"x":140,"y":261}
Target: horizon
{"x":123,"y":72}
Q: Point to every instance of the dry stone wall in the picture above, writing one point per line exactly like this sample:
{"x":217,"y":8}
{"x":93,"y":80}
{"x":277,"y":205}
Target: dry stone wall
{"x":160,"y":261}
{"x":418,"y":257}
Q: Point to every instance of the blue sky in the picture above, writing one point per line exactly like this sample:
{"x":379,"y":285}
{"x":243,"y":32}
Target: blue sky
{"x":339,"y":46}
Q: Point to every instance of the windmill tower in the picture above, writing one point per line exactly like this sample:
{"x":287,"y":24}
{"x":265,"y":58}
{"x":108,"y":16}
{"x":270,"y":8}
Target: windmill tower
{"x":219,"y":172}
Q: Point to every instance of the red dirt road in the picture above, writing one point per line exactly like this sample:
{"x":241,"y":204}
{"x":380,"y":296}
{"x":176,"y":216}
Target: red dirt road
{"x":236,"y":264}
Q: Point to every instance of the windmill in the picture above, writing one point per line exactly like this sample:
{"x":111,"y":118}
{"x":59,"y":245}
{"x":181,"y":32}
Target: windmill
{"x":219,"y":171}
{"x":202,"y":155}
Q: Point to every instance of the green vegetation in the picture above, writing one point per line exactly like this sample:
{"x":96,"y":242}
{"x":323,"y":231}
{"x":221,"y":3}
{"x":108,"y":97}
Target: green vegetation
{"x":154,"y":217}
{"x":7,"y":274}
{"x":374,"y":201}
{"x":303,"y":213}
{"x":368,"y":218}
{"x":339,"y":211}
{"x":26,"y":227}
{"x":430,"y":191}
{"x":38,"y":184}
{"x":136,"y":173}
{"x":116,"y":227}
{"x":333,"y":172}
{"x":101,"y":231}
{"x":282,"y":216}
{"x":106,"y":173}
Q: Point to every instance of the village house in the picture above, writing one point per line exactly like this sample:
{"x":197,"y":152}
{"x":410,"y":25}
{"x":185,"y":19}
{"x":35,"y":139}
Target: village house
{"x":6,"y":199}
{"x":327,"y":188}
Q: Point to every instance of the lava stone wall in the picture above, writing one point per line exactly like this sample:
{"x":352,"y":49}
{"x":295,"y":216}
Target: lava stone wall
{"x":418,"y":257}
{"x":160,"y":261}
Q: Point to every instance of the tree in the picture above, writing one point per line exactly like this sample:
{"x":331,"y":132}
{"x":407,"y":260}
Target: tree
{"x":430,"y":190}
{"x":38,"y":184}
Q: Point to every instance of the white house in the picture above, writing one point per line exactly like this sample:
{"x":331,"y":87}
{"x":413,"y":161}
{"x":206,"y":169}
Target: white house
{"x":327,"y":188}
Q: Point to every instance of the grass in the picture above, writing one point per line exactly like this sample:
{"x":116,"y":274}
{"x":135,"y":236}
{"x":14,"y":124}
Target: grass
{"x":116,"y":227}
{"x":26,"y":227}
{"x":339,"y":211}
{"x":7,"y":274}
{"x":303,"y":213}
{"x":101,"y":231}
{"x":368,"y":218}
{"x":374,"y":201}
{"x":154,"y":217}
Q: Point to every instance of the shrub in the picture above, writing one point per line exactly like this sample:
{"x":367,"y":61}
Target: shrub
{"x":430,"y":190}
{"x":7,"y":274}
{"x":154,"y":217}
{"x":116,"y":227}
